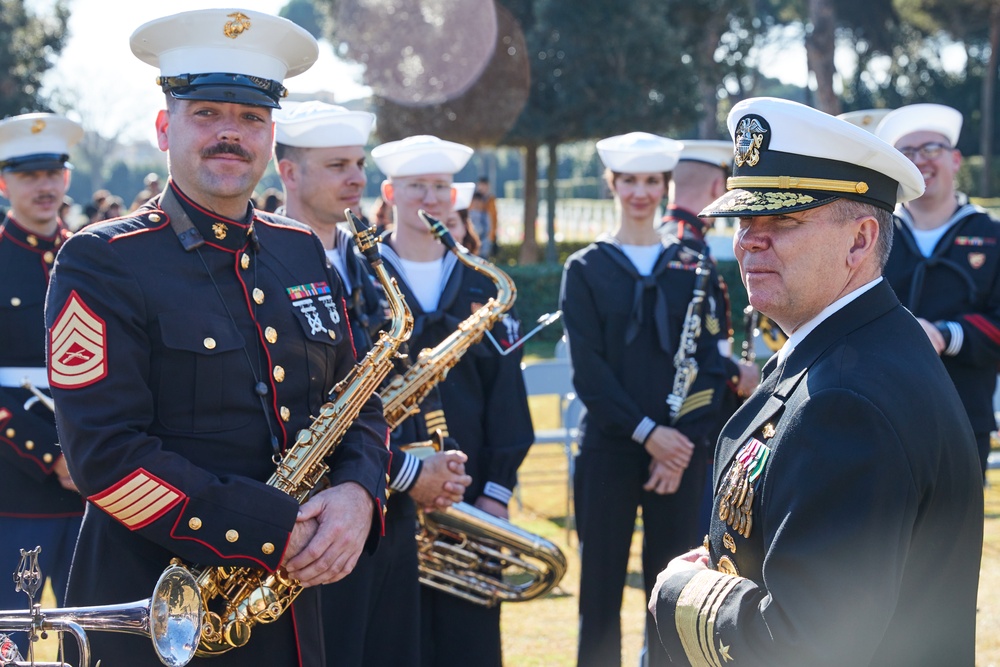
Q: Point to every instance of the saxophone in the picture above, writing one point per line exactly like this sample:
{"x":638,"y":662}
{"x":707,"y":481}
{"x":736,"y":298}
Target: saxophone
{"x":237,"y":598}
{"x":685,"y":365}
{"x":462,"y":550}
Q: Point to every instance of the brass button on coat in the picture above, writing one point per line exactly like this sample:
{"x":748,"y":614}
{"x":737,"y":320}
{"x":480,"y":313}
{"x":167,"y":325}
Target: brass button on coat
{"x":49,"y":257}
{"x":279,"y":374}
{"x":245,"y":261}
{"x":209,"y":343}
{"x":15,"y":301}
{"x":267,"y":548}
{"x":11,"y":433}
{"x":29,"y":444}
{"x":286,"y":414}
{"x":154,"y":217}
{"x":47,"y":458}
{"x":258,"y":296}
{"x":271,"y":335}
{"x":232,"y":536}
{"x":194,"y":523}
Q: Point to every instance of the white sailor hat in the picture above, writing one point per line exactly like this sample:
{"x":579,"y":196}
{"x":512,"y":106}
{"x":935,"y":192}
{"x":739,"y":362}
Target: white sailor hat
{"x":866,"y":119}
{"x":316,"y":124}
{"x":790,"y":157}
{"x":225,"y":55}
{"x":921,"y":118}
{"x":463,"y":195}
{"x":639,"y":152}
{"x":420,"y":154}
{"x":37,"y":141}
{"x":709,"y":151}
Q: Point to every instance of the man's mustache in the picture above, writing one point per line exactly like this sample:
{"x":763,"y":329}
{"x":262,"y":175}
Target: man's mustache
{"x":226,"y":148}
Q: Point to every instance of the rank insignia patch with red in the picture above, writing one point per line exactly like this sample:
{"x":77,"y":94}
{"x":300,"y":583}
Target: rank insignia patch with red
{"x":78,"y":346}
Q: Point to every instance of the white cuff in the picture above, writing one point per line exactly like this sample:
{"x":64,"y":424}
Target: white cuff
{"x":407,"y":474}
{"x":499,"y":493}
{"x":957,"y":338}
{"x":643,"y":430}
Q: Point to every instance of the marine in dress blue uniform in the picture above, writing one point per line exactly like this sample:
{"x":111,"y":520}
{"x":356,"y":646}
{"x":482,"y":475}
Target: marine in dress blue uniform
{"x":39,"y":505}
{"x":483,"y":396}
{"x":945,"y":262}
{"x":188,"y":346}
{"x":848,"y":509}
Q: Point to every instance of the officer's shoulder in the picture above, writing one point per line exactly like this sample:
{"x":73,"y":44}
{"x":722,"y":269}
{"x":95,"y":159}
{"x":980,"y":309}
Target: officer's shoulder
{"x":583,"y":255}
{"x":138,"y":222}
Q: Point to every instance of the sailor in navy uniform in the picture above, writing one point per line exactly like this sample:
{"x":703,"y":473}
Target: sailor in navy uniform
{"x":483,"y":396}
{"x":319,"y":152}
{"x":40,"y":506}
{"x":848,"y":508}
{"x":624,"y":300}
{"x":945,"y":261}
{"x":191,"y":341}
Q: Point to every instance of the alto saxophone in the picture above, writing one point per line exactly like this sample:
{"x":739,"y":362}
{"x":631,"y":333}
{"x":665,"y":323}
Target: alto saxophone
{"x":462,"y":550}
{"x":237,"y":598}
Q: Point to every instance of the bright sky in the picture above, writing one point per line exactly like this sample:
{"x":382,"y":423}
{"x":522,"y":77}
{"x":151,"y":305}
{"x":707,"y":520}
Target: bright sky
{"x":110,"y":88}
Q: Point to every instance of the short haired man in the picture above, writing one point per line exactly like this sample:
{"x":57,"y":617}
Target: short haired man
{"x":40,"y":505}
{"x":849,"y":513}
{"x":483,"y":396}
{"x":189,"y":344}
{"x":945,"y":262}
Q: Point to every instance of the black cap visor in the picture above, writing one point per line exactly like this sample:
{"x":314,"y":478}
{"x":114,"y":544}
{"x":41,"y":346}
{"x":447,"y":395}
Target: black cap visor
{"x":36,"y":162}
{"x":229,"y":88}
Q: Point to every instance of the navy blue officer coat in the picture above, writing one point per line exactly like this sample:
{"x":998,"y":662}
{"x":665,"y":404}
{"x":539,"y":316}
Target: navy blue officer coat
{"x":848,"y":516}
{"x":28,"y":447}
{"x":157,"y":349}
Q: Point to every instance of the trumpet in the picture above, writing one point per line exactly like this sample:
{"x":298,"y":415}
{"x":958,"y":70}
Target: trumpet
{"x":170,"y":617}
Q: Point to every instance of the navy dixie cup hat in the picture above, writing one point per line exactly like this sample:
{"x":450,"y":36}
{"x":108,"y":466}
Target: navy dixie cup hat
{"x":37,"y":141}
{"x":225,"y":55}
{"x":789,"y":157}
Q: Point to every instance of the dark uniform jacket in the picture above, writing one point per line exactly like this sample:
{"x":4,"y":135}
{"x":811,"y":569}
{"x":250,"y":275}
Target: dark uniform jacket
{"x":28,"y":447}
{"x":483,"y":396}
{"x":157,"y":358}
{"x":623,"y":368}
{"x":848,"y":516}
{"x":959,"y":282}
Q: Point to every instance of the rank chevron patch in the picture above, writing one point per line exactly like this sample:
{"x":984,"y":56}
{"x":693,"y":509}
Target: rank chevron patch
{"x":138,"y":500}
{"x":78,"y":346}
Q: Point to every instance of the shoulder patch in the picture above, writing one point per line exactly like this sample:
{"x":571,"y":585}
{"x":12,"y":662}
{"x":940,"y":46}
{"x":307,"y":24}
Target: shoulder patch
{"x":138,"y":500}
{"x":78,"y":346}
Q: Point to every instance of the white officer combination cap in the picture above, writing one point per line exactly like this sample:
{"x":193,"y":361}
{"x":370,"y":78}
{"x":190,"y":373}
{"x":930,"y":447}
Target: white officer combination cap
{"x":789,"y":157}
{"x":420,"y":154}
{"x":714,"y":152}
{"x":37,"y":141}
{"x":225,"y":55}
{"x":639,"y":153}
{"x":463,"y":195}
{"x":866,"y":119}
{"x":921,"y":118}
{"x":316,"y":124}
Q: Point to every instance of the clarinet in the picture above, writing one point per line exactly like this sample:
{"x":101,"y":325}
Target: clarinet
{"x":685,"y":365}
{"x":748,"y":351}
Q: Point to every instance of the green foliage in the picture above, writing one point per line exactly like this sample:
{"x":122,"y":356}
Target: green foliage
{"x":29,"y":43}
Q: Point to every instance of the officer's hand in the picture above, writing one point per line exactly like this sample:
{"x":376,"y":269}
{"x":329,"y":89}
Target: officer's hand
{"x":662,"y":479}
{"x":749,"y":378}
{"x":937,"y":340}
{"x":442,"y":480}
{"x":343,"y":518}
{"x":669,"y":446}
{"x":492,"y":507}
{"x":696,"y":559}
{"x":61,"y":471}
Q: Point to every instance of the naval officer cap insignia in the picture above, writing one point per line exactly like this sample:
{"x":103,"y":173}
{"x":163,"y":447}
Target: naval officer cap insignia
{"x":716,"y":153}
{"x":463,"y":195}
{"x":866,"y":119}
{"x":789,"y":157}
{"x":421,"y":154}
{"x":319,"y":125}
{"x":921,"y":118}
{"x":639,"y":153}
{"x":225,"y":55}
{"x":37,"y":141}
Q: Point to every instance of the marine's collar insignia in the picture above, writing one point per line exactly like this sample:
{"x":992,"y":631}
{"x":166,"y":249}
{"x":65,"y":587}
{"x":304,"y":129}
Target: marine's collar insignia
{"x":240,"y":24}
{"x":220,"y":230}
{"x":749,"y":140}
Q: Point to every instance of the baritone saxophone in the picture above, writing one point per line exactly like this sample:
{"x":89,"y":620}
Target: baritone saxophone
{"x":237,"y":598}
{"x":462,"y":550}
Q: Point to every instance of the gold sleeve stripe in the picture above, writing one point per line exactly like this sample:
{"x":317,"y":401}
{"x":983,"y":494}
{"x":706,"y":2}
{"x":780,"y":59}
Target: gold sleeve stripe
{"x":694,"y":401}
{"x":138,"y":500}
{"x":694,"y":618}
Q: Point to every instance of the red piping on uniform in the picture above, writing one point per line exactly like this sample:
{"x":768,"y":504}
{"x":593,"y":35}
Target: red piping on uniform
{"x":984,"y":325}
{"x":350,"y":333}
{"x":166,"y":223}
{"x":208,"y":546}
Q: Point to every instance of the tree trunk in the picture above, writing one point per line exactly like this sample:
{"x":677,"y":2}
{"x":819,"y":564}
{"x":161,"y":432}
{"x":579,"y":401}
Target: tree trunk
{"x":529,"y":243}
{"x":820,"y":44}
{"x":550,"y":198}
{"x":708,"y":81}
{"x":988,"y":104}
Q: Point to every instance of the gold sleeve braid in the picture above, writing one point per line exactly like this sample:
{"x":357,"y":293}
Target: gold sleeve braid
{"x":697,"y":608}
{"x":435,"y":421}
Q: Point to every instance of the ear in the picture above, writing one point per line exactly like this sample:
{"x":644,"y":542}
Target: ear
{"x":288,"y":171}
{"x":67,"y":177}
{"x":866,"y":233}
{"x":388,"y":192}
{"x":3,"y":186}
{"x":162,"y":123}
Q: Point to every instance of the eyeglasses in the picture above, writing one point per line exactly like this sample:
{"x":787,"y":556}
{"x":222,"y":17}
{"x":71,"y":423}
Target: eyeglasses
{"x":929,"y":151}
{"x":419,"y":190}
